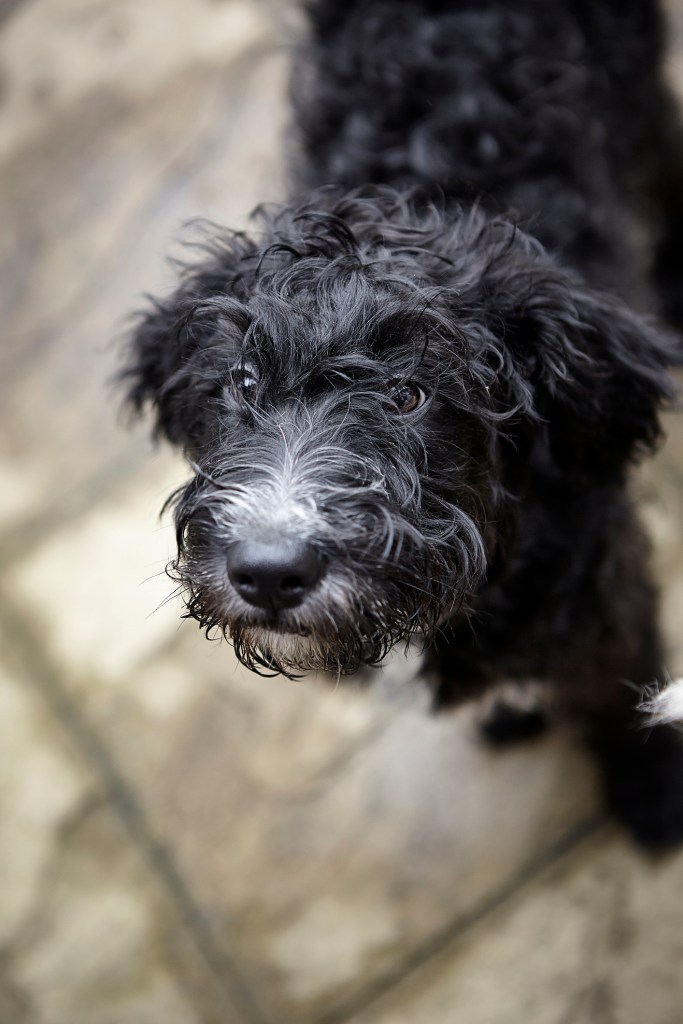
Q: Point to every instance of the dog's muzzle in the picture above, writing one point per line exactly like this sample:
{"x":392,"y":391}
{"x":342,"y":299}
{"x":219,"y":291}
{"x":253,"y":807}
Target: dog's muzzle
{"x":274,"y":574}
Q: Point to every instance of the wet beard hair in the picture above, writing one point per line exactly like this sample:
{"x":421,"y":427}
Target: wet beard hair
{"x":388,"y":584}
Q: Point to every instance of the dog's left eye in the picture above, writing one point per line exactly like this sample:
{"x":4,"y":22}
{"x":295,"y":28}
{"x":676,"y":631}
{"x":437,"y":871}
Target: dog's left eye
{"x":243,"y":382}
{"x":407,"y":397}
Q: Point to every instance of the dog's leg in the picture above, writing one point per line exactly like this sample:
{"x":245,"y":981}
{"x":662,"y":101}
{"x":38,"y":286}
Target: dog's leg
{"x":458,"y":673}
{"x":454,"y":669}
{"x":643,"y":771}
{"x":644,"y":780}
{"x":515,"y":714}
{"x":596,"y":639}
{"x":642,"y":763}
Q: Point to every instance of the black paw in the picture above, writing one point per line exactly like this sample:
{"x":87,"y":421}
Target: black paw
{"x":505,"y":724}
{"x":644,"y":781}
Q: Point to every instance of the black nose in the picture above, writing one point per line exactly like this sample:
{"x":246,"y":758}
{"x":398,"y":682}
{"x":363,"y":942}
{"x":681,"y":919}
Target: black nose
{"x":273,"y":574}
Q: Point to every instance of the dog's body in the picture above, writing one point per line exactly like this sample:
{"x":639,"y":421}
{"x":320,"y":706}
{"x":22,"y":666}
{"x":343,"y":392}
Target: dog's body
{"x":405,"y":417}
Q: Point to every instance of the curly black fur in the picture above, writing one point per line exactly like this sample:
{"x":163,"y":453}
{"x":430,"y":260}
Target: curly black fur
{"x":423,"y":367}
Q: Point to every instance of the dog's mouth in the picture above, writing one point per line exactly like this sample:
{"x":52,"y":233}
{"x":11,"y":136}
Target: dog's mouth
{"x":290,"y":653}
{"x":277,"y":625}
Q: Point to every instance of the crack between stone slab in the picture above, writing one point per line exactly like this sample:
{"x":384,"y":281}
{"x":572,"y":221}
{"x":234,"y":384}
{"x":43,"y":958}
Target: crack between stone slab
{"x":10,"y":7}
{"x":38,"y":671}
{"x":457,"y":929}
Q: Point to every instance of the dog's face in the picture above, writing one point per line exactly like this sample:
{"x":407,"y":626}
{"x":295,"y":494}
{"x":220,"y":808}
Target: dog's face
{"x":360,"y":394}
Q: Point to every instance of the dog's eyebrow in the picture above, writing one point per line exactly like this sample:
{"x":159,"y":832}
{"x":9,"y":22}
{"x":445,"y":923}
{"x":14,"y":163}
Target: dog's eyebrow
{"x":390,"y":328}
{"x":349,"y":367}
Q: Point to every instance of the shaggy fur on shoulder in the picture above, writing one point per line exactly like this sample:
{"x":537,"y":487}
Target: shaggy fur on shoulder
{"x":411,"y":396}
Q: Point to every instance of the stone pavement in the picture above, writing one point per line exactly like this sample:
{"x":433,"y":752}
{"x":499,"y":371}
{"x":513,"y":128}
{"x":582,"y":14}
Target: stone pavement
{"x":182,"y":842}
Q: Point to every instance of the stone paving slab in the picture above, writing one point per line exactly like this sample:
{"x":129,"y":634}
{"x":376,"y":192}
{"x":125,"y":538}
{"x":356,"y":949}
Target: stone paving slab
{"x":96,"y":950}
{"x":87,"y":933}
{"x":41,"y":789}
{"x":597,"y":940}
{"x":54,"y":54}
{"x":93,"y":583}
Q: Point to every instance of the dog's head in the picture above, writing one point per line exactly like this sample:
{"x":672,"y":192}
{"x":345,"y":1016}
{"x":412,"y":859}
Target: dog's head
{"x":363,"y":391}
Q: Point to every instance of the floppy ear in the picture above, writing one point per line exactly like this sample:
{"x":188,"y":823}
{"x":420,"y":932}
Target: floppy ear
{"x":598,"y":374}
{"x":180,"y":347}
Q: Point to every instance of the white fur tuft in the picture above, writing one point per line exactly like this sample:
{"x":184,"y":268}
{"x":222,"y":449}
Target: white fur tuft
{"x":667,"y":705}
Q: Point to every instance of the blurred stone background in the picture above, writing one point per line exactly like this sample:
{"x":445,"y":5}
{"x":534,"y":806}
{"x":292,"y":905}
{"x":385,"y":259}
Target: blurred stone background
{"x":182,"y":842}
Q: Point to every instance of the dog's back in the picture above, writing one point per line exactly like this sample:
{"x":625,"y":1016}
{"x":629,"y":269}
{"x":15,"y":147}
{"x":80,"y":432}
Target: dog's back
{"x":553,"y":112}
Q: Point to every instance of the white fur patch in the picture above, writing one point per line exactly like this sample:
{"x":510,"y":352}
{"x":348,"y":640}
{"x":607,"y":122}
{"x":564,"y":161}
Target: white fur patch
{"x":286,"y":647}
{"x":667,"y":705}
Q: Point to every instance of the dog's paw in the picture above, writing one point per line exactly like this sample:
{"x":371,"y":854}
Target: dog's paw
{"x":504,"y":724}
{"x":644,"y":780}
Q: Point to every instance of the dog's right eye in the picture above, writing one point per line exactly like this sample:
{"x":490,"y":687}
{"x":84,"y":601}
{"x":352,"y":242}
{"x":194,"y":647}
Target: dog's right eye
{"x":243,"y":383}
{"x":407,"y":397}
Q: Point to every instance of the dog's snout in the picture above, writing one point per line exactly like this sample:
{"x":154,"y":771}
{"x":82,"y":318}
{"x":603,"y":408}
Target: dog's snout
{"x":274,"y":574}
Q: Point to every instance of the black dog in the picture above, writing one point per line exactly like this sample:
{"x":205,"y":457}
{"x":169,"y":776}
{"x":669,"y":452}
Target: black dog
{"x":407,"y":415}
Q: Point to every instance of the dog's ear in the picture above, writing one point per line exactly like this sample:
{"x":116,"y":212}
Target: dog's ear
{"x":180,"y":345}
{"x":595,"y":373}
